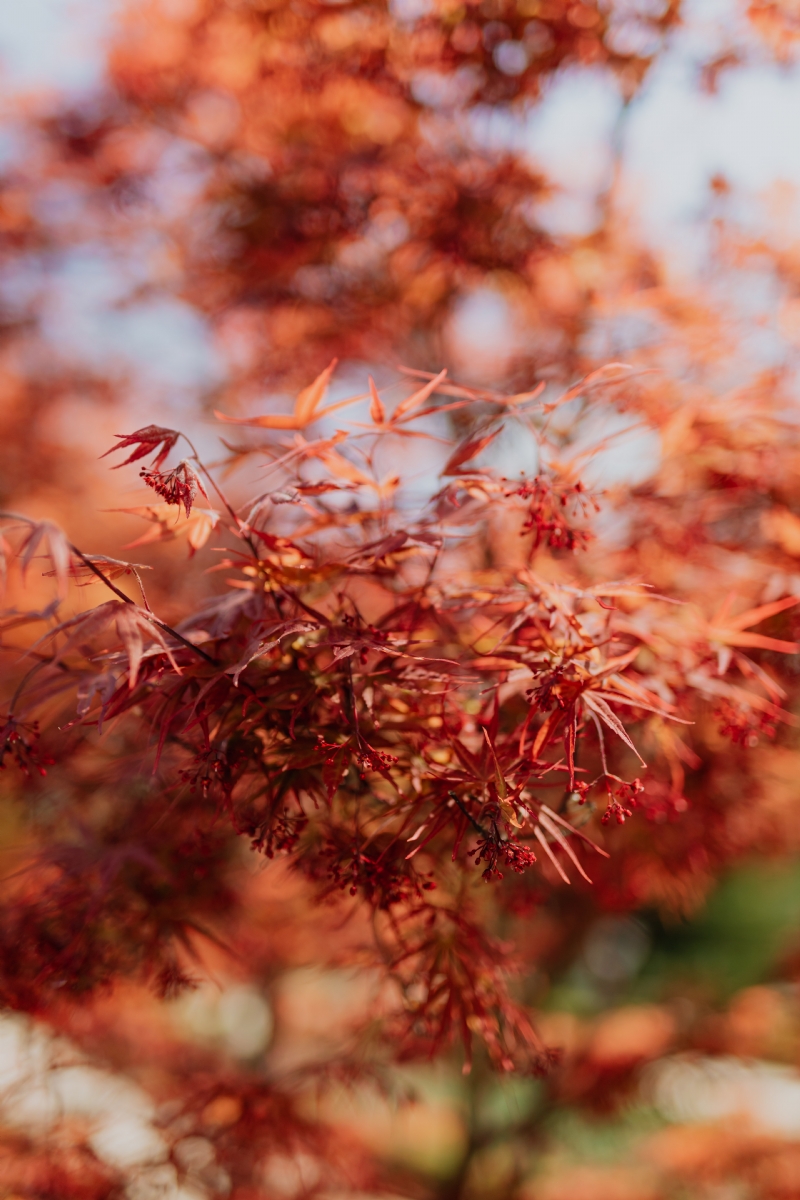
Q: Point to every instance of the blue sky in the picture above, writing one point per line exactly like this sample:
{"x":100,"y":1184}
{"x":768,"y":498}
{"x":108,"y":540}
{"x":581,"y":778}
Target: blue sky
{"x":53,"y":44}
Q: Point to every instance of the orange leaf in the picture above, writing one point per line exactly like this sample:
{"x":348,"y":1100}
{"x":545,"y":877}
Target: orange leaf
{"x":306,"y":407}
{"x":276,"y":421}
{"x":520,"y":397}
{"x":166,"y":524}
{"x":761,"y":642}
{"x":310,"y":398}
{"x":467,"y":450}
{"x":376,"y":409}
{"x":341,"y":466}
{"x":419,"y":397}
{"x":754,"y":615}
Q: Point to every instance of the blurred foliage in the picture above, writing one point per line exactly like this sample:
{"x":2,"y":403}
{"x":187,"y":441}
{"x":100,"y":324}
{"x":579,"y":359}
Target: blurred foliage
{"x":208,"y":993}
{"x":740,"y":938}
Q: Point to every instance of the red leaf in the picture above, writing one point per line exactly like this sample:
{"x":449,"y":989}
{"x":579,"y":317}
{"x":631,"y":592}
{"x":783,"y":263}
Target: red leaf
{"x":467,"y":450}
{"x":147,"y":440}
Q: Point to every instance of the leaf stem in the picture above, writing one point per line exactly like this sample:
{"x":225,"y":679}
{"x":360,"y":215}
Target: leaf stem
{"x":231,"y":511}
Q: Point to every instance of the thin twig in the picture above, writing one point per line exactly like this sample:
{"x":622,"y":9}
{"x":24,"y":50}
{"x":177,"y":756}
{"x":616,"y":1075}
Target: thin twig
{"x":150,"y":616}
{"x":468,"y":815}
{"x":232,"y":512}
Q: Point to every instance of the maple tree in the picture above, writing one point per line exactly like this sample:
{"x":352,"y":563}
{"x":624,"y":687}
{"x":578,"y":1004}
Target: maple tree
{"x":452,"y":722}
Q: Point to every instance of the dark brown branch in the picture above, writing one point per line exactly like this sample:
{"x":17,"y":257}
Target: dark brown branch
{"x":150,"y":616}
{"x":468,"y":815}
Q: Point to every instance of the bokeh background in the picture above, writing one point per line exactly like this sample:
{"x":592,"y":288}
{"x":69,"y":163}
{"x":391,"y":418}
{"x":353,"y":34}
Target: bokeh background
{"x":680,"y":1025}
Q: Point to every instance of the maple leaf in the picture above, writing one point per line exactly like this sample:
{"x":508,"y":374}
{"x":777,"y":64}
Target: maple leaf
{"x":147,"y":440}
{"x":520,"y":398}
{"x":406,"y":409}
{"x":413,"y":402}
{"x":725,"y":632}
{"x":45,"y":535}
{"x":132,"y":623}
{"x":466,"y":450}
{"x":168,"y":525}
{"x":739,"y":695}
{"x":381,"y":548}
{"x":376,"y":409}
{"x":306,"y":407}
{"x":323,"y":486}
{"x":260,"y":645}
{"x":599,"y":706}
{"x":477,"y":394}
{"x":103,"y":685}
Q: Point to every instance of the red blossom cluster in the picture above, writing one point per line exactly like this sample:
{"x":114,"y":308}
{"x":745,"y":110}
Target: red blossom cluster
{"x":19,"y":741}
{"x":493,"y":849}
{"x":622,"y":801}
{"x":742,"y":725}
{"x":552,"y":508}
{"x":178,"y":486}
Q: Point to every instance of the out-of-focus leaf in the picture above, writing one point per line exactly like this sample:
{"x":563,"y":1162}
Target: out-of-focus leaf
{"x":418,"y":398}
{"x":376,"y":409}
{"x":47,"y":537}
{"x":132,"y":624}
{"x":306,"y":407}
{"x":167,"y":524}
{"x":466,"y":450}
